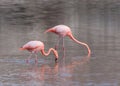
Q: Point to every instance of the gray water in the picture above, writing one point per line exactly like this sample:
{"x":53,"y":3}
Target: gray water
{"x":95,"y":22}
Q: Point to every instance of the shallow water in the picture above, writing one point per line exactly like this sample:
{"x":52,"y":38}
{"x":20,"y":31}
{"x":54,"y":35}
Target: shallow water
{"x":95,"y":22}
{"x":74,"y":71}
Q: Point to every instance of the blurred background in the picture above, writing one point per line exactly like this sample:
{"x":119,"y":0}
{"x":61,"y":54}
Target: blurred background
{"x":95,"y":22}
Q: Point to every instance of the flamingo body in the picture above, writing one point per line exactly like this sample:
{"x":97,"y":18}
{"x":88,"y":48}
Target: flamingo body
{"x":62,"y":30}
{"x":33,"y":46}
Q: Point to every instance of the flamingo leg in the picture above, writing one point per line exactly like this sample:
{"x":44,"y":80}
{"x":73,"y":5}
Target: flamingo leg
{"x":27,"y":60}
{"x":56,"y":46}
{"x":63,"y":43}
{"x":36,"y":58}
{"x":63,"y":47}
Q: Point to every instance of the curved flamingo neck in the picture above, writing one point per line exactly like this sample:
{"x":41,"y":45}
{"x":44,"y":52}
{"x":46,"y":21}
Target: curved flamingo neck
{"x":47,"y":53}
{"x":73,"y":38}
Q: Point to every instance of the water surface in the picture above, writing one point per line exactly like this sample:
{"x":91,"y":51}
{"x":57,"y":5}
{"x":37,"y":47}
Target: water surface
{"x":95,"y":22}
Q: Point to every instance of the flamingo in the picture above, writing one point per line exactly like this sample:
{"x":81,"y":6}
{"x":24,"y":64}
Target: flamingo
{"x":62,"y":31}
{"x":36,"y":46}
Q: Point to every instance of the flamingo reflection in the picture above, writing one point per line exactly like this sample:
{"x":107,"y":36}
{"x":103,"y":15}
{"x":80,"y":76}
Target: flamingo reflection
{"x":59,"y":72}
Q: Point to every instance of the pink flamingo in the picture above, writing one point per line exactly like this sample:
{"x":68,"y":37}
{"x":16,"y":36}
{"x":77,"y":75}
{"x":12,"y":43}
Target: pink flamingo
{"x":36,"y":46}
{"x":62,"y":31}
